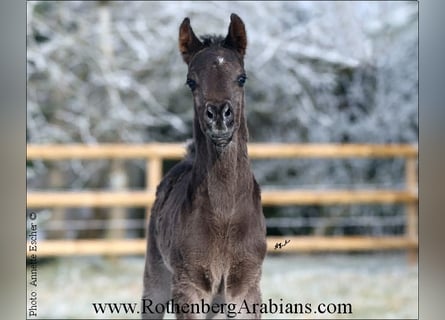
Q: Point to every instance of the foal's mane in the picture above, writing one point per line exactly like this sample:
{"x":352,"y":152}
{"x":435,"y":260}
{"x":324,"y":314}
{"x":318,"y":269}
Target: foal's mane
{"x":212,"y":41}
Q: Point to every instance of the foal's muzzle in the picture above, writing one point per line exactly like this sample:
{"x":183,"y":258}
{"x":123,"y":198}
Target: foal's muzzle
{"x":219,"y":119}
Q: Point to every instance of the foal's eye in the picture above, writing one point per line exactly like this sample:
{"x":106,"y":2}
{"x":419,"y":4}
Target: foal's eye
{"x":191,"y":83}
{"x":242,"y":80}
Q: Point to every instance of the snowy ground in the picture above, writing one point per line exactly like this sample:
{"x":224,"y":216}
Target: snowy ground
{"x":378,"y":286}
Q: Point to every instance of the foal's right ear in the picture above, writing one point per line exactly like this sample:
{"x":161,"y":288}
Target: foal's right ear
{"x":189,"y":44}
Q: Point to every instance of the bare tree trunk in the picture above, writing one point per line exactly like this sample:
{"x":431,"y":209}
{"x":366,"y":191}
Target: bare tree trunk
{"x":118,"y":177}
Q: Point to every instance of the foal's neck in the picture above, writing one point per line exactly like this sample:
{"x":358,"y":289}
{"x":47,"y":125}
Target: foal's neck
{"x":226,"y":174}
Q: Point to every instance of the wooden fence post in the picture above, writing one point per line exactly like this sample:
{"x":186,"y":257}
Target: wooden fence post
{"x":118,"y":181}
{"x":57,"y":214}
{"x":411,"y":210}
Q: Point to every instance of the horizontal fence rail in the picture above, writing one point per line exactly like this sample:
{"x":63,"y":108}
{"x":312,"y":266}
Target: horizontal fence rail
{"x":155,"y":153}
{"x":45,"y":199}
{"x":307,"y":244}
{"x":256,"y":151}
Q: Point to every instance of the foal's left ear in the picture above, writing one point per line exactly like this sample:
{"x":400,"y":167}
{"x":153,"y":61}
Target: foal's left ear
{"x":236,"y":37}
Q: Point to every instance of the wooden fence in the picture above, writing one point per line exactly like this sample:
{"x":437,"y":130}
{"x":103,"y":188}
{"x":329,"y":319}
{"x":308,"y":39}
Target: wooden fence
{"x":155,"y":153}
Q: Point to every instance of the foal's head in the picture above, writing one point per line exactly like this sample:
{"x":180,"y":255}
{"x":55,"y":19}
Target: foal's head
{"x":216,"y":78}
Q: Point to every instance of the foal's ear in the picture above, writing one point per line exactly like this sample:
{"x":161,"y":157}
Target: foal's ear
{"x":236,"y":37}
{"x":189,"y":44}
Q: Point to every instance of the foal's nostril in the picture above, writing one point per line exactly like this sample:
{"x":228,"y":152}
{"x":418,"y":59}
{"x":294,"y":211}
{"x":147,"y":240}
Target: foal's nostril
{"x":209,"y":113}
{"x":227,"y":113}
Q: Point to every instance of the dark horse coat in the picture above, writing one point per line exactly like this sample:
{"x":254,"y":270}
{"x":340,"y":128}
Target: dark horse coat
{"x":207,"y":236}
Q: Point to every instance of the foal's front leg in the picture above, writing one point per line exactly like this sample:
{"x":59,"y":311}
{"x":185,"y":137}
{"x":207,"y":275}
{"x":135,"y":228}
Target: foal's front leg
{"x":243,"y":289}
{"x":247,"y":304}
{"x":186,"y":292}
{"x":157,"y":284}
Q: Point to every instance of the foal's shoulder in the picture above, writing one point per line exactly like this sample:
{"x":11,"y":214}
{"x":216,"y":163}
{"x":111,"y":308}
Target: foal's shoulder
{"x":176,"y":174}
{"x":175,"y":177}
